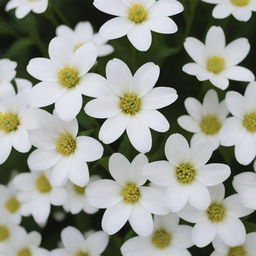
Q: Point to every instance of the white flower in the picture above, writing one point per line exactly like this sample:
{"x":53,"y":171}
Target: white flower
{"x":219,"y":220}
{"x":168,"y":238}
{"x":36,"y":195}
{"x":186,"y":174}
{"x":9,"y":202}
{"x":17,"y":120}
{"x":248,"y":248}
{"x":137,"y":18}
{"x":217,"y":62}
{"x":24,"y":7}
{"x":240,"y":129}
{"x":245,"y":185}
{"x":125,"y":198}
{"x":75,"y":244}
{"x":83,"y":34}
{"x":7,"y":74}
{"x":64,"y":77}
{"x":25,"y":244}
{"x":240,"y":9}
{"x":78,"y":199}
{"x":63,"y":152}
{"x":129,"y":103}
{"x":205,"y":120}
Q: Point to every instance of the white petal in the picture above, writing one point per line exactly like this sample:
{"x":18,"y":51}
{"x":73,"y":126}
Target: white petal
{"x":203,"y":233}
{"x":79,"y":173}
{"x":42,"y":160}
{"x":220,"y":82}
{"x":222,"y":11}
{"x":182,"y":237}
{"x":140,"y":37}
{"x":116,"y":28}
{"x":97,"y":242}
{"x":136,"y":246}
{"x":250,"y":243}
{"x":159,"y":97}
{"x":68,"y":106}
{"x":41,"y":210}
{"x":213,"y":174}
{"x":194,"y":108}
{"x":228,"y":228}
{"x":242,"y":14}
{"x":5,"y":148}
{"x":188,"y":123}
{"x":191,"y":214}
{"x":114,"y":7}
{"x":163,"y":25}
{"x":217,"y":193}
{"x":196,"y":70}
{"x":141,"y":220}
{"x":21,"y":141}
{"x":119,"y":168}
{"x":139,"y":135}
{"x":103,"y":193}
{"x":215,"y":40}
{"x":113,"y":128}
{"x":165,"y":8}
{"x":115,"y":217}
{"x":235,"y":103}
{"x":239,"y":74}
{"x":71,"y":238}
{"x":177,"y":149}
{"x":119,"y":76}
{"x":145,"y":79}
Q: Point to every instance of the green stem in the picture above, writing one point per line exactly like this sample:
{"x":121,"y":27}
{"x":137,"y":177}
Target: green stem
{"x":60,"y":15}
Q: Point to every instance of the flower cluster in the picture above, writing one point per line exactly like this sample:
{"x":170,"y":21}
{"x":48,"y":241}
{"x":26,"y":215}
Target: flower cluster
{"x":170,"y":201}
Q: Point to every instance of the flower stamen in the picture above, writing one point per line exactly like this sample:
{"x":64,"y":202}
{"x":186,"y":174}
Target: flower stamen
{"x":12,"y":205}
{"x":161,"y":239}
{"x":240,"y":3}
{"x":249,"y":122}
{"x":4,"y":233}
{"x":216,"y":212}
{"x":215,"y":64}
{"x":185,"y":173}
{"x":68,"y":77}
{"x":130,"y":193}
{"x":24,"y":252}
{"x":210,"y":125}
{"x":65,"y":145}
{"x":236,"y":251}
{"x":42,"y":184}
{"x":137,"y":13}
{"x":9,"y":122}
{"x":130,"y":104}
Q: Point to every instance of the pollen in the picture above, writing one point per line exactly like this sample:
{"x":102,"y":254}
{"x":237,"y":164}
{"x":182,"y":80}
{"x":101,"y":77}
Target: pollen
{"x":161,"y":239}
{"x":216,"y":212}
{"x":249,"y":122}
{"x":130,"y":104}
{"x":65,"y":145}
{"x":130,"y":193}
{"x":68,"y":77}
{"x":80,"y":253}
{"x":210,"y":125}
{"x":9,"y":122}
{"x":4,"y":233}
{"x":12,"y":205}
{"x":137,"y":13}
{"x":42,"y":184}
{"x":236,"y":251}
{"x":240,"y":3}
{"x":24,"y":252}
{"x":185,"y":173}
{"x":215,"y":64}
{"x":79,"y":190}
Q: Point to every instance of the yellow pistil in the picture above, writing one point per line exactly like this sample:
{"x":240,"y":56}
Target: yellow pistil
{"x":249,"y":122}
{"x":210,"y":125}
{"x":77,"y":46}
{"x":161,"y":239}
{"x":65,"y":145}
{"x":24,"y":252}
{"x":130,"y":104}
{"x":4,"y":233}
{"x":137,"y":13}
{"x":42,"y":184}
{"x":68,"y":76}
{"x":79,"y":190}
{"x":237,"y":251}
{"x":80,"y":253}
{"x":216,"y":212}
{"x":240,"y":3}
{"x":12,"y":205}
{"x":215,"y":64}
{"x":185,"y":173}
{"x":130,"y":193}
{"x":9,"y":122}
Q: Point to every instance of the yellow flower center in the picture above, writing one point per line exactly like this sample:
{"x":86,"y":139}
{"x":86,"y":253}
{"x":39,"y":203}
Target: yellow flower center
{"x":130,"y":193}
{"x":210,"y":125}
{"x":240,"y":3}
{"x":42,"y":184}
{"x":249,"y":122}
{"x":9,"y":122}
{"x":137,"y":13}
{"x":130,"y":104}
{"x":161,"y":239}
{"x":216,"y":212}
{"x":236,"y":251}
{"x":77,"y":46}
{"x":215,"y":64}
{"x":12,"y":205}
{"x":65,"y":145}
{"x":68,"y":76}
{"x":4,"y":233}
{"x":79,"y":190}
{"x":185,"y":173}
{"x":24,"y":252}
{"x":82,"y":254}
